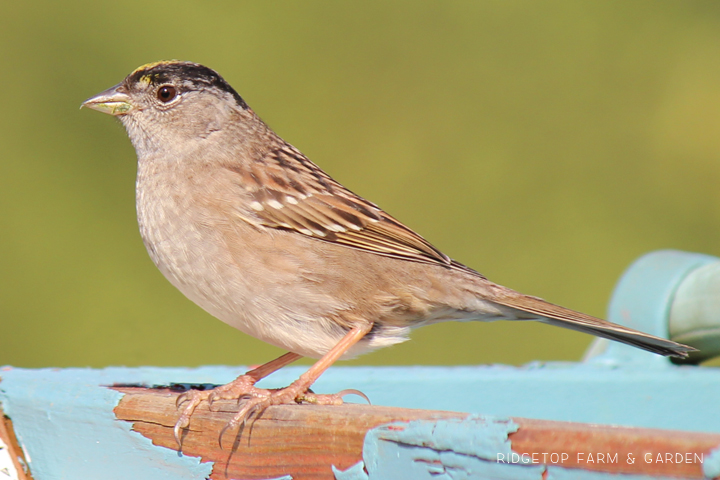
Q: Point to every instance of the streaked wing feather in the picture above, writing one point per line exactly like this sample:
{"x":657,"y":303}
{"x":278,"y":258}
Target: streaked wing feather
{"x":288,"y":191}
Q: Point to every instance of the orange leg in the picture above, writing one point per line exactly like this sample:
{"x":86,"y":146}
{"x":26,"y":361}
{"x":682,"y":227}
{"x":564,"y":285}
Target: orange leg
{"x":238,"y":388}
{"x":273,"y":366}
{"x":259,"y":399}
{"x":297,"y":392}
{"x":302,"y":384}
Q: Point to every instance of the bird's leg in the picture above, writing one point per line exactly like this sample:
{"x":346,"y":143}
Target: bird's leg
{"x":298,"y":391}
{"x":243,"y":386}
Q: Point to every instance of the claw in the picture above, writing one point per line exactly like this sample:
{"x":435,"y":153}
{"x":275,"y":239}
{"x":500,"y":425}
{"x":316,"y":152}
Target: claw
{"x":254,"y":411}
{"x":211,"y":401}
{"x":194,"y":397}
{"x":181,"y":423}
{"x":222,"y":432}
{"x":240,"y":418}
{"x":182,"y":398}
{"x":352,"y":391}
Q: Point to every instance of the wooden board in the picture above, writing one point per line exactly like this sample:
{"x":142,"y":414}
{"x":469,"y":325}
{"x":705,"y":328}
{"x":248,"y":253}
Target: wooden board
{"x":305,"y":441}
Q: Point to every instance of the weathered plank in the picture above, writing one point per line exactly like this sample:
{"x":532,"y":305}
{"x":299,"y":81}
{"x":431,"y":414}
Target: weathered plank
{"x":302,"y":440}
{"x":306,"y":440}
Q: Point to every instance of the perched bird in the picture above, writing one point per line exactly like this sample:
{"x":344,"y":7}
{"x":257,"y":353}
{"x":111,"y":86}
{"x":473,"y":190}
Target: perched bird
{"x":251,"y":230}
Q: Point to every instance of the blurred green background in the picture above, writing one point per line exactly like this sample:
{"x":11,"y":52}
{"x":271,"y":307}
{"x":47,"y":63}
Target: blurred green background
{"x":545,"y":144}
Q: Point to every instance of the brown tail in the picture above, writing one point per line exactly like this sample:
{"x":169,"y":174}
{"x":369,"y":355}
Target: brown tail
{"x":566,"y":318}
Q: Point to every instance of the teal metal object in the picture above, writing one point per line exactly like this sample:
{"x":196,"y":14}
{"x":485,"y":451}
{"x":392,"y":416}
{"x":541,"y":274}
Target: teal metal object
{"x":695,"y":312}
{"x":644,"y":299}
{"x":65,"y":423}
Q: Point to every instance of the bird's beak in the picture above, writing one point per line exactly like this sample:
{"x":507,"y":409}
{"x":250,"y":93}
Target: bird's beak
{"x":114,"y":101}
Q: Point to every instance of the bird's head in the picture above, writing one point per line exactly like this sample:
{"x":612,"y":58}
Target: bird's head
{"x":167,"y":102}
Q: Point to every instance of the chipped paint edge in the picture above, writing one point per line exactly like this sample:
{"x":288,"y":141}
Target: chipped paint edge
{"x":425,"y":449}
{"x":43,"y":405}
{"x":7,"y":466}
{"x":711,"y":467}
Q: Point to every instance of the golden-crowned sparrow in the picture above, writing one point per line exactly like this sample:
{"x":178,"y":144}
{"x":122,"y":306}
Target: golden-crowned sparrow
{"x":252,"y":231}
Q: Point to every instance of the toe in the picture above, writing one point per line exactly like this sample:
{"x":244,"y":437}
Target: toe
{"x":182,"y":422}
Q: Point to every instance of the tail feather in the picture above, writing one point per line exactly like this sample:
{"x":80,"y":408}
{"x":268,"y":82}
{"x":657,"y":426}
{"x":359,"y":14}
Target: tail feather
{"x":564,"y":317}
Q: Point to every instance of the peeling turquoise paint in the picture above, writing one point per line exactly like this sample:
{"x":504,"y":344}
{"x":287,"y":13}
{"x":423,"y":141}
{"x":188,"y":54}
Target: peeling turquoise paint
{"x":444,"y":450}
{"x":456,"y":449}
{"x":711,"y":466}
{"x":477,"y":435}
{"x":356,"y":472}
{"x":65,"y":423}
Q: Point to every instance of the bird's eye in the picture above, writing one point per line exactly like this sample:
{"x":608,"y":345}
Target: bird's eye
{"x":166,"y":93}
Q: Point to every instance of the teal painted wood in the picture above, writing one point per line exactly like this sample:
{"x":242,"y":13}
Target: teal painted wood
{"x":643,"y":299}
{"x":64,"y":421}
{"x":64,"y":418}
{"x":695,"y":311}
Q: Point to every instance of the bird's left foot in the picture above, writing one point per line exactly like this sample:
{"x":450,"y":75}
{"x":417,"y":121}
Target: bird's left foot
{"x":293,"y":394}
{"x":257,"y":400}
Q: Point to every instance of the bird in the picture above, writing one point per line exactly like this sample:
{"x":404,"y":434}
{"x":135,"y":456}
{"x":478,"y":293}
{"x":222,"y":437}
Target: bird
{"x":252,"y":231}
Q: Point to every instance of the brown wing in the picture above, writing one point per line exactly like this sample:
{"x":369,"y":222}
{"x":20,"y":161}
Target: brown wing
{"x":288,"y":191}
